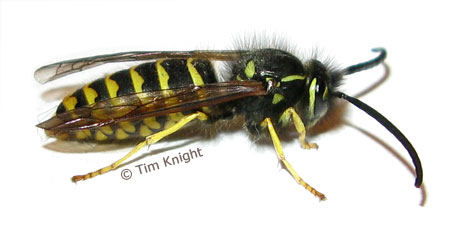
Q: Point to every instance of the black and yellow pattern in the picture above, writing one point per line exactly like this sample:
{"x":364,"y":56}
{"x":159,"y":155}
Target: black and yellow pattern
{"x":270,"y":88}
{"x":154,"y":76}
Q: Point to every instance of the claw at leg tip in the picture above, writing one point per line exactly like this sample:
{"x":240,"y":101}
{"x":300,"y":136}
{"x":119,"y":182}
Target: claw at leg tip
{"x":75,"y":179}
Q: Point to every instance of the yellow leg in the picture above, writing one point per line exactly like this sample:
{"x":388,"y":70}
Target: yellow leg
{"x":278,"y":148}
{"x":291,"y":113}
{"x":149,"y":140}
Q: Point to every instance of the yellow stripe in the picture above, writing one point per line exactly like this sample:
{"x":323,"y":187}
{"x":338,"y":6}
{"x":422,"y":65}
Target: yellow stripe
{"x":136,"y":79}
{"x":82,"y":134}
{"x":163,"y":76}
{"x":120,"y":134}
{"x":196,"y":77}
{"x":197,"y":80}
{"x":292,"y":77}
{"x":127,"y":126}
{"x":90,"y":94}
{"x":69,"y":102}
{"x":112,"y":86}
{"x":325,"y":94}
{"x":152,"y":123}
{"x":312,"y":97}
{"x":99,"y":136}
{"x":250,"y":69}
{"x":172,"y":119}
{"x":107,"y":130}
{"x":144,"y":131}
{"x":277,"y":98}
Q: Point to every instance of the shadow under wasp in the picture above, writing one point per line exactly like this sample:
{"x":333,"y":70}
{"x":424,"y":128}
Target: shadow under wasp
{"x":270,"y":88}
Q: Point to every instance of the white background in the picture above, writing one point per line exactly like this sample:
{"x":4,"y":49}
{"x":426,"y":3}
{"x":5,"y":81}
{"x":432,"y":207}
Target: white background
{"x":359,"y":165}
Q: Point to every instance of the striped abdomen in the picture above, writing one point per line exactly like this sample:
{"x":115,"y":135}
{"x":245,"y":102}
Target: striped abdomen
{"x":147,"y":77}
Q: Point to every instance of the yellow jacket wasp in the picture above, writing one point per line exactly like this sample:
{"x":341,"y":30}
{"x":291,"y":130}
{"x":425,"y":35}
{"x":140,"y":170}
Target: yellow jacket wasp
{"x":271,"y":88}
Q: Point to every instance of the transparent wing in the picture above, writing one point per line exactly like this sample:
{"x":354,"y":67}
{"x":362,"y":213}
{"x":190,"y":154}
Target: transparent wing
{"x":61,"y":69}
{"x":149,"y":104}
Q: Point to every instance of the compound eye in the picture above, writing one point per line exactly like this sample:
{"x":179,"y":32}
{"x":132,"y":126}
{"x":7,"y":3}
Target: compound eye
{"x":319,"y":89}
{"x":318,"y":96}
{"x":322,"y":89}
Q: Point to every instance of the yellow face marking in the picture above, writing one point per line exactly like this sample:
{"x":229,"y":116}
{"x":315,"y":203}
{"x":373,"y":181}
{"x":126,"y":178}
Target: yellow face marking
{"x":144,"y":131}
{"x":312,"y":96}
{"x":90,"y":94}
{"x":277,"y":98}
{"x":136,"y":79}
{"x":112,"y":87}
{"x":82,"y":134}
{"x":120,"y":134}
{"x":152,"y":123}
{"x":292,"y":77}
{"x":250,"y":69}
{"x":162,"y":75}
{"x":196,"y":77}
{"x":99,"y":136}
{"x":325,"y":94}
{"x":107,"y":130}
{"x":127,"y":126}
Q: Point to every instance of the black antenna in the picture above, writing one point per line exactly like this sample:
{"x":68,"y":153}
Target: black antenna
{"x":388,"y":125}
{"x":368,"y":64}
{"x":377,"y":116}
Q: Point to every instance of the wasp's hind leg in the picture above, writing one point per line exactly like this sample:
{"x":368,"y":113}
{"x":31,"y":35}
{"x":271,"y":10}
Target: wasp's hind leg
{"x":148,"y":141}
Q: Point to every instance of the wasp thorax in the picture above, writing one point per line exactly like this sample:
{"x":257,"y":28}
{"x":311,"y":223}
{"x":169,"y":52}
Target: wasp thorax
{"x":267,"y":63}
{"x":282,"y":73}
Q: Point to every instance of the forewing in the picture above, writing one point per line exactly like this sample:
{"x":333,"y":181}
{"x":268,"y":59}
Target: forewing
{"x":61,"y":69}
{"x":148,"y":104}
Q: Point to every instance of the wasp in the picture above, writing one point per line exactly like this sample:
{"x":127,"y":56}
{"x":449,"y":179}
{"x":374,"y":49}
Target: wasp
{"x":271,"y":88}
